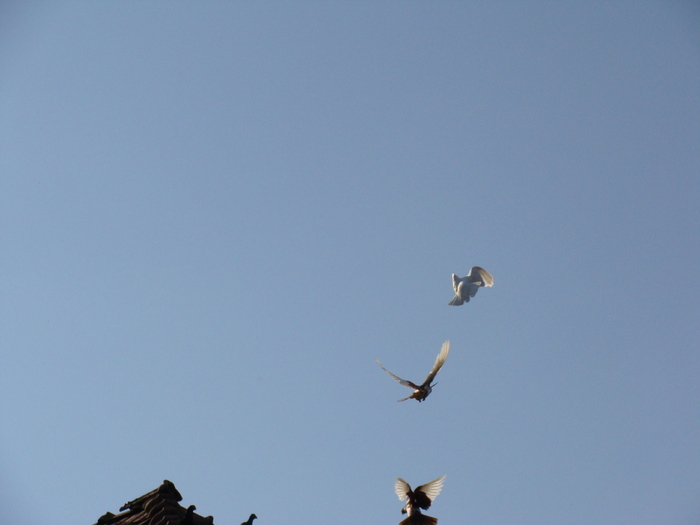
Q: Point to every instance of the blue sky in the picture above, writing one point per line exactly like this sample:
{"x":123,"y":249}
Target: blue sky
{"x":215,"y":216}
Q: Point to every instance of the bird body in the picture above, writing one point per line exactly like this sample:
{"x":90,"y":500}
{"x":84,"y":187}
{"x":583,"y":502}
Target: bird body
{"x":250,"y":520}
{"x":188,"y":519}
{"x":466,"y":287}
{"x":420,"y":392}
{"x":420,"y":498}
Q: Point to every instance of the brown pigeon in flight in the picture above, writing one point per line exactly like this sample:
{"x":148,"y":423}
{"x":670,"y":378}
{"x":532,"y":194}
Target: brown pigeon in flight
{"x":420,"y":392}
{"x":417,"y":499}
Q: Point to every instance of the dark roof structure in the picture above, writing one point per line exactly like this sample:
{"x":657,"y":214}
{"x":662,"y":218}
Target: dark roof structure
{"x":158,"y":507}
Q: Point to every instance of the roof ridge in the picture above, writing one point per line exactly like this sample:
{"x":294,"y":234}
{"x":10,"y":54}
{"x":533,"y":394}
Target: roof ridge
{"x":157,"y":507}
{"x":167,"y":488}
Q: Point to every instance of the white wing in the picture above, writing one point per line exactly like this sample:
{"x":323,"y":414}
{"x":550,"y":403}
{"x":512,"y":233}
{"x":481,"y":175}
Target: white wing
{"x":478,"y":275}
{"x":431,"y":489}
{"x":439,"y":361}
{"x":402,"y":488}
{"x":455,"y":282}
{"x":404,"y":382}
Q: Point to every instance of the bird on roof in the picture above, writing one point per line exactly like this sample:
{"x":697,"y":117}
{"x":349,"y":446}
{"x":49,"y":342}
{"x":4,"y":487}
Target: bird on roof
{"x":250,"y":520}
{"x":420,"y":498}
{"x":189,"y":516}
{"x":466,"y":287}
{"x":420,"y":392}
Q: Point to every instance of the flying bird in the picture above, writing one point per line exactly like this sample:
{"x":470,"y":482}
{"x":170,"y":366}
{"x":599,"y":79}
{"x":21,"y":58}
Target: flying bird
{"x":420,"y":392}
{"x":250,"y":520}
{"x":466,"y":287}
{"x":421,"y":498}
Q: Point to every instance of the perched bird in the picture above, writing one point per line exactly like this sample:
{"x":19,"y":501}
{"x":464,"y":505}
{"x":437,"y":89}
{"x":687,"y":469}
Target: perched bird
{"x":188,"y":519}
{"x":466,"y":287}
{"x":421,"y":498}
{"x":420,"y":392}
{"x":250,"y":520}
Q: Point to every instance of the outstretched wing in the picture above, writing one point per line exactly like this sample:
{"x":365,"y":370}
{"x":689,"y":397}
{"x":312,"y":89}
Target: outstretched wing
{"x":439,"y":361}
{"x":478,"y":275}
{"x":455,"y":282}
{"x":425,"y":494}
{"x":407,"y":384}
{"x":457,"y":285}
{"x":402,"y":488}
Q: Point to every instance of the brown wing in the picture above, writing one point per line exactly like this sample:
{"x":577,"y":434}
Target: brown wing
{"x":424,"y":495}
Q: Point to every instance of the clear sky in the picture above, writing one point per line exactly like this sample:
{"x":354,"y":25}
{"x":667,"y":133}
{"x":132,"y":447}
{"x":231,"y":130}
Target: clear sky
{"x":215,"y":216}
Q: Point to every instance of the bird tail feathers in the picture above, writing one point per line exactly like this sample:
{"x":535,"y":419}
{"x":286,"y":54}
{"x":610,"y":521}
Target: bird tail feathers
{"x":456,"y":301}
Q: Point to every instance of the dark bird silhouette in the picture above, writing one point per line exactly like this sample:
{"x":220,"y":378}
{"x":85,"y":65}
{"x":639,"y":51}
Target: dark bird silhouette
{"x":421,"y":498}
{"x":420,"y":392}
{"x":188,"y":519}
{"x":250,"y":520}
{"x":466,"y":287}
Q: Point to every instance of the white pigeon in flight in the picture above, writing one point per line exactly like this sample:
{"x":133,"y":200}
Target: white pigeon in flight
{"x":466,"y":287}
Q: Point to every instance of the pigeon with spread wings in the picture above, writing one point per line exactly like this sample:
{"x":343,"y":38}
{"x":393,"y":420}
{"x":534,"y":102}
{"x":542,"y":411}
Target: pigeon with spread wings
{"x":420,"y":498}
{"x":420,"y":392}
{"x":466,"y":287}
